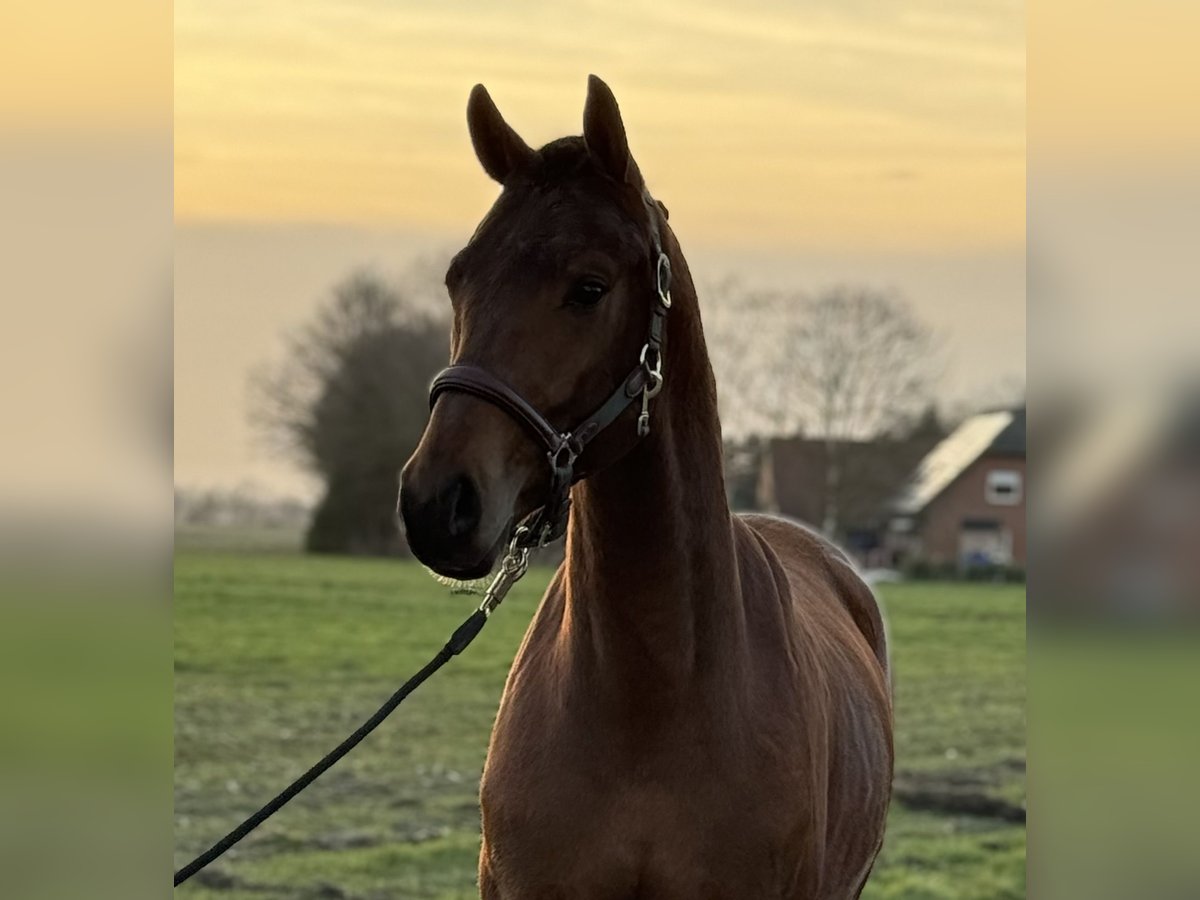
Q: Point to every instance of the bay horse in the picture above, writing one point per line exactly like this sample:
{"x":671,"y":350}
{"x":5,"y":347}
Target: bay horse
{"x":701,"y":705}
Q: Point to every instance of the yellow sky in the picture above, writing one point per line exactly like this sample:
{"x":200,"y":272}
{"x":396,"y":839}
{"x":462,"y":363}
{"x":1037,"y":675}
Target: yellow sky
{"x":836,"y":123}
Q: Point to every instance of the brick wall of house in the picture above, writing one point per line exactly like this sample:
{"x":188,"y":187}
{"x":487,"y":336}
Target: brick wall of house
{"x":792,"y":478}
{"x":942,"y":521}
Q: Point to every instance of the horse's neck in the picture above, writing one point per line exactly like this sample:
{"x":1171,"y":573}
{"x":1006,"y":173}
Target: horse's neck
{"x":651,"y":579}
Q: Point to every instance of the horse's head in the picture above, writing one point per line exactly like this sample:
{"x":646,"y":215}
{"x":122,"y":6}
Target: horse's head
{"x":552,"y":297}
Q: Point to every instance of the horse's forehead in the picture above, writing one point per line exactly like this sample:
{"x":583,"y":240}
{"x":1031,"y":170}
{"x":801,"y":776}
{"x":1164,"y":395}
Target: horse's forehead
{"x":543,"y":228}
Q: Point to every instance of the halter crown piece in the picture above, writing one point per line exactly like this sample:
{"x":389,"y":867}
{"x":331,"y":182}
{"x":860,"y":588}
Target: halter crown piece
{"x":563,"y":448}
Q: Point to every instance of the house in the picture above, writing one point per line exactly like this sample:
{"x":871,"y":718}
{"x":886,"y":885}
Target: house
{"x":792,"y":481}
{"x":964,"y":506}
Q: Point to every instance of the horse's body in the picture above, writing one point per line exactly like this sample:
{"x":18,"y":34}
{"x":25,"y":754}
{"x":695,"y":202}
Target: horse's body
{"x":700,"y":707}
{"x":755,"y":763}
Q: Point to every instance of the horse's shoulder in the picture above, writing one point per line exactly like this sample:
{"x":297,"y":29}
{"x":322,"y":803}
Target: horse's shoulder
{"x":808,"y":556}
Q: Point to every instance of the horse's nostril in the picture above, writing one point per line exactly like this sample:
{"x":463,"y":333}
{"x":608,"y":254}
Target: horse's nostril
{"x":463,"y":509}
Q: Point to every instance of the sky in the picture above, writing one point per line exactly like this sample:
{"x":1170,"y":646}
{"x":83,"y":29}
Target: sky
{"x":795,"y":145}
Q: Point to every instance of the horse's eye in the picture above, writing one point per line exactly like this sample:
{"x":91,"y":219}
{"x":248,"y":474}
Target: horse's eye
{"x":586,"y":292}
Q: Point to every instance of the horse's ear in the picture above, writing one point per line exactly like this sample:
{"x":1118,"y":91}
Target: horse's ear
{"x":499,"y":148}
{"x":604,"y":133}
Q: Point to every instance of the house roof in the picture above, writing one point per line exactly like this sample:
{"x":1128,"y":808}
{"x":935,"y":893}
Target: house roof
{"x":1011,"y":441}
{"x":1001,"y":433}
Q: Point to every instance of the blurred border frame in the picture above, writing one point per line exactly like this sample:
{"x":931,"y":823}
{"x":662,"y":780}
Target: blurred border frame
{"x":1114,"y":327}
{"x":85,"y":489}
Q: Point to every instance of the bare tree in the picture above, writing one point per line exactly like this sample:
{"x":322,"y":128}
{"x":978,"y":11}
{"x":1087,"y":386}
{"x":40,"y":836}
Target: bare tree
{"x":848,"y":364}
{"x":349,"y":402}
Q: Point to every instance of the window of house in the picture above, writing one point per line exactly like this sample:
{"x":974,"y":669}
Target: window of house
{"x":1003,"y":487}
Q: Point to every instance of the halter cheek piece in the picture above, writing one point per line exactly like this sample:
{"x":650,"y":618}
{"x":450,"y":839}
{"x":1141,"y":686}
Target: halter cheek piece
{"x":563,"y":448}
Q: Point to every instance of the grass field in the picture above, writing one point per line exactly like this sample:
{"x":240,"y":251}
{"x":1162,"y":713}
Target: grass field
{"x":278,"y":657}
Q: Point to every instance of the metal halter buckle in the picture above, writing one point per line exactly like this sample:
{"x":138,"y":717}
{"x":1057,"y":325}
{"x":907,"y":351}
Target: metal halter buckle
{"x":566,"y":446}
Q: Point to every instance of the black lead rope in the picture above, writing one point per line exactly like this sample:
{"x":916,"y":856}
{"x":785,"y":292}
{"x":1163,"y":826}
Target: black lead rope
{"x":512,"y":567}
{"x":463,"y":635}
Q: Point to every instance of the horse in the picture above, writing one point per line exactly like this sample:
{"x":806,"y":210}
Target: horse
{"x":701,"y":705}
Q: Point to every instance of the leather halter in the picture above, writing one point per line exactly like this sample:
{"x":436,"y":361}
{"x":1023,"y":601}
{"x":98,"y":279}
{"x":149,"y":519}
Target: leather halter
{"x":563,"y":448}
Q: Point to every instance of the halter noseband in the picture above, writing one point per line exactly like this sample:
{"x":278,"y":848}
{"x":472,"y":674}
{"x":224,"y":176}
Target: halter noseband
{"x":563,"y":448}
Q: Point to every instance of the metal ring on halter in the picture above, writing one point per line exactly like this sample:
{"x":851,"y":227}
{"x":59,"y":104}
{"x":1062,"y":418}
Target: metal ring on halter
{"x":518,"y":533}
{"x":663,"y":284}
{"x":655,"y":369}
{"x":656,"y":384}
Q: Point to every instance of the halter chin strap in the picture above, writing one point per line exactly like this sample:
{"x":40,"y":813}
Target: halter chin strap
{"x":563,"y":448}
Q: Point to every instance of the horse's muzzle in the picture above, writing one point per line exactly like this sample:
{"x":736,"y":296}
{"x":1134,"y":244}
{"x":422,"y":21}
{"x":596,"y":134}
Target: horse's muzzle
{"x":442,"y":527}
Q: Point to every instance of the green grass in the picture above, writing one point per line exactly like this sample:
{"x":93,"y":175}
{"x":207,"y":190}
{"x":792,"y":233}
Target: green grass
{"x":278,"y":657}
